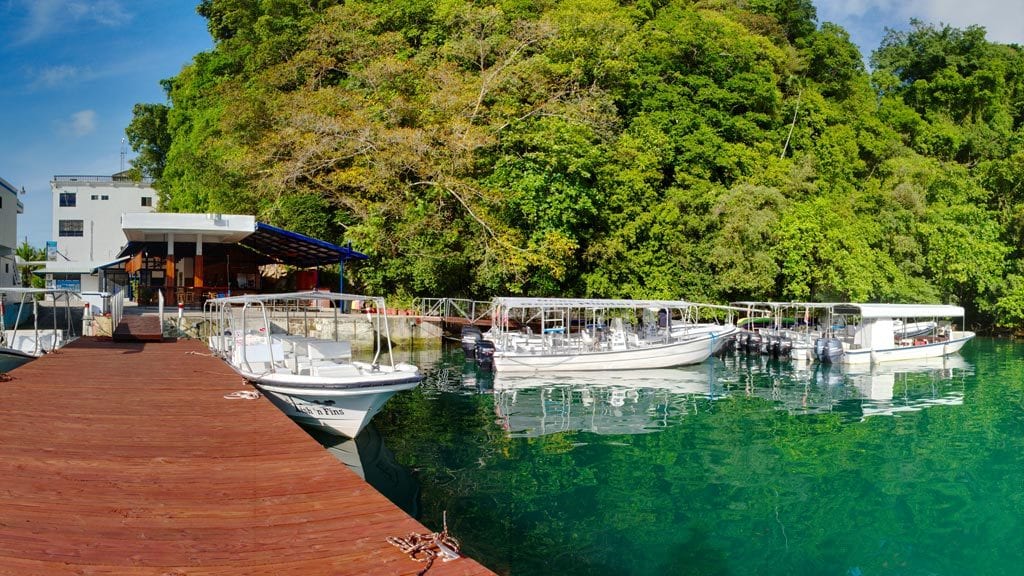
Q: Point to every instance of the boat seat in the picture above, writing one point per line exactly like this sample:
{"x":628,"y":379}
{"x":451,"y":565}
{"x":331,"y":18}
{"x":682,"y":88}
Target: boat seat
{"x":325,"y":350}
{"x":332,"y":370}
{"x":257,"y":352}
{"x":298,"y":345}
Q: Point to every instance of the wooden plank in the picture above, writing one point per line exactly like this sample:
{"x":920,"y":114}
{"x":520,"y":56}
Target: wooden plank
{"x":138,"y":328}
{"x":125,"y":458}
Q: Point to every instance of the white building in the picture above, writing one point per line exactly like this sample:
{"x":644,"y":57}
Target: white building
{"x":87,"y":224}
{"x":10,"y":207}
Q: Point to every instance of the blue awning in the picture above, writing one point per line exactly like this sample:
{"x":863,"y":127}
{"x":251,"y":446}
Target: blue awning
{"x":297,"y":249}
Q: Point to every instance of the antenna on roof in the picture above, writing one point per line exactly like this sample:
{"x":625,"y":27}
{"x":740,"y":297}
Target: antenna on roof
{"x":124,"y":152}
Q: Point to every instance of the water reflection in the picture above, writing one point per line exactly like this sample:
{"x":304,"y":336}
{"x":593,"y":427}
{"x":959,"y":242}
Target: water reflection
{"x":604,"y":403}
{"x":645,"y":401}
{"x":8,"y":363}
{"x":855,"y":392}
{"x":747,"y":466}
{"x":367,"y":456}
{"x":889,"y":389}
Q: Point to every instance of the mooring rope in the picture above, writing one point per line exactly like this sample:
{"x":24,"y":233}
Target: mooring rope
{"x":427,"y":547}
{"x":243,"y":395}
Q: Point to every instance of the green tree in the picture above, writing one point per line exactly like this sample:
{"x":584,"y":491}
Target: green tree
{"x":26,"y":253}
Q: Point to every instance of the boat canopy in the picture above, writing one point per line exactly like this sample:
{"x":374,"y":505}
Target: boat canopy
{"x":601,"y":304}
{"x":900,"y":310}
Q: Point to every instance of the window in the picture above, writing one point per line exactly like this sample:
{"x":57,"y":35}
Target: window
{"x":104,"y":197}
{"x":147,"y":200}
{"x":95,"y":196}
{"x":69,"y":199}
{"x":70,"y":228}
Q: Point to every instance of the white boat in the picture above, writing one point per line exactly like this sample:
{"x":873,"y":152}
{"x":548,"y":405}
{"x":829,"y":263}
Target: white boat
{"x":288,"y":346}
{"x":30,"y":335}
{"x":566,"y":334}
{"x":872,"y":335}
{"x":858,"y":333}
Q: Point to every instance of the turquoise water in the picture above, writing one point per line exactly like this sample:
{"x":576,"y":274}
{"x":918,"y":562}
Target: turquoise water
{"x":733,"y":467}
{"x":8,"y":363}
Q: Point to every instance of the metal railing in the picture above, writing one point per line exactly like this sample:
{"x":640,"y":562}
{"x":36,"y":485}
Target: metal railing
{"x":65,"y":178}
{"x":472,"y":310}
{"x":116,"y":306}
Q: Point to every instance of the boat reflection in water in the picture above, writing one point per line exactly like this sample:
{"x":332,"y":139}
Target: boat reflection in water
{"x":891,"y":388}
{"x":367,"y":456}
{"x":645,"y":401}
{"x":852,"y":391}
{"x":634,"y":402}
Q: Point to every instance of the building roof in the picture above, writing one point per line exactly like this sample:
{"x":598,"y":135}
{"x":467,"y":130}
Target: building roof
{"x":5,"y":185}
{"x":276,"y":244}
{"x":214,"y":228}
{"x":72,"y":267}
{"x":297,"y":249}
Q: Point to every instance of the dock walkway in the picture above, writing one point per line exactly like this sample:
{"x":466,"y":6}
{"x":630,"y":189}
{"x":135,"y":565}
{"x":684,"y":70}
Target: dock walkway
{"x":126,"y":458}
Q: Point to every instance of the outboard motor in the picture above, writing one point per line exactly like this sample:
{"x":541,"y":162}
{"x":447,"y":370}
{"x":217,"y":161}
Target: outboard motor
{"x":834,"y":349}
{"x":753,"y":343}
{"x":728,"y":346}
{"x":819,"y":349}
{"x":828,"y":350}
{"x":785,"y":347}
{"x":471,"y":335}
{"x":485,"y":354}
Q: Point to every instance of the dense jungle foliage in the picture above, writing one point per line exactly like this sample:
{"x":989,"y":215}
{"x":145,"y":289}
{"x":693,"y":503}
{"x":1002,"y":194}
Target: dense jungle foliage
{"x":712,"y":150}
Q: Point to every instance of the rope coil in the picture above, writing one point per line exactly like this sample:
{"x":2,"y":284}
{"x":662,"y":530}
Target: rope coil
{"x":428,"y":547}
{"x":243,"y":395}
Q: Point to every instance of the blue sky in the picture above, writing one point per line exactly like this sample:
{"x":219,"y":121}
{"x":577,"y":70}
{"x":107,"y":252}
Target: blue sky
{"x":72,"y":70}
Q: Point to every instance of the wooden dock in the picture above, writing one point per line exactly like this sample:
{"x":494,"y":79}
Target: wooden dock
{"x":126,"y":458}
{"x":138,"y":328}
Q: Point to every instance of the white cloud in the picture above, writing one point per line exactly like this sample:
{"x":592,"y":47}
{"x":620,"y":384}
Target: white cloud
{"x":837,"y":10}
{"x":81,"y":123}
{"x":58,"y":75}
{"x":45,"y":17}
{"x":1002,"y":19}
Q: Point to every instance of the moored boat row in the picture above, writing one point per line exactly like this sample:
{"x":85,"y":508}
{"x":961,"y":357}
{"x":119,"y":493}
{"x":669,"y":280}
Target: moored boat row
{"x":306,"y":368}
{"x":852,"y":333}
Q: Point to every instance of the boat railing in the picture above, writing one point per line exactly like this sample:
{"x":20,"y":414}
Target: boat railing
{"x":239,"y":325}
{"x":39,"y":339}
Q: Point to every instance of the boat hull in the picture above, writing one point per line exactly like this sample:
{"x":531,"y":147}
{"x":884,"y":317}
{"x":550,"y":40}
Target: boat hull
{"x":14,"y":354}
{"x":692,"y":351}
{"x":336,"y":410}
{"x":33,"y":343}
{"x":904,"y":353}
